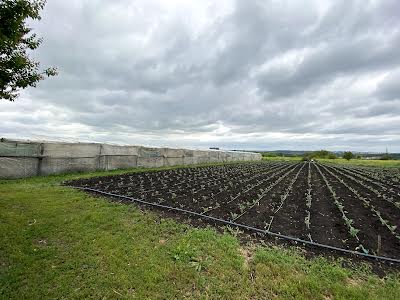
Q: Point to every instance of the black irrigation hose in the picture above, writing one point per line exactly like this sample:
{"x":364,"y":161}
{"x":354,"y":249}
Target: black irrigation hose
{"x":266,"y":232}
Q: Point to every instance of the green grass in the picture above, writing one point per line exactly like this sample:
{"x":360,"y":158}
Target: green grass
{"x":56,"y":242}
{"x":282,"y":158}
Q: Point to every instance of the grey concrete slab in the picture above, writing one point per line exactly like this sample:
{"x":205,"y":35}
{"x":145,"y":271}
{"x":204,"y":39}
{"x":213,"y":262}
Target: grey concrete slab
{"x":69,"y":150}
{"x":15,"y":148}
{"x":27,"y":158}
{"x":147,"y":152}
{"x":150,"y":162}
{"x":119,"y":150}
{"x":169,"y":152}
{"x":18,"y":167}
{"x":114,"y":162}
{"x":54,"y":165}
{"x":173,"y":161}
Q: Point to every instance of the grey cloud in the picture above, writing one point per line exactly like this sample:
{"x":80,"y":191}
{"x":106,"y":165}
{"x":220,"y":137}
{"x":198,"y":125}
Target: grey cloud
{"x":353,"y":55}
{"x":389,"y":89}
{"x":257,"y":31}
{"x":378,"y":108}
{"x":241,"y":74}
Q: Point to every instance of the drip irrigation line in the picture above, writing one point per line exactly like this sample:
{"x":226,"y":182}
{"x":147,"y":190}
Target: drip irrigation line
{"x":250,"y":228}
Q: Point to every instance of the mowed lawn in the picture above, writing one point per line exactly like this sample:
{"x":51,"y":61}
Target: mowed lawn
{"x":60,"y":243}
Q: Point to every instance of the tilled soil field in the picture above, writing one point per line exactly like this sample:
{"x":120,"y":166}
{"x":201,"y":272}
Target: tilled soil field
{"x":353,"y":208}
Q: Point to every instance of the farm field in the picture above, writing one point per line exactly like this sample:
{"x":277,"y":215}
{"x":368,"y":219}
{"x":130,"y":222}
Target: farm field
{"x":349,"y":207}
{"x":57,"y":241}
{"x":368,"y":163}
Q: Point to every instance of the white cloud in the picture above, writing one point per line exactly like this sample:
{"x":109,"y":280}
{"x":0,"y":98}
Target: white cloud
{"x":235,"y":74}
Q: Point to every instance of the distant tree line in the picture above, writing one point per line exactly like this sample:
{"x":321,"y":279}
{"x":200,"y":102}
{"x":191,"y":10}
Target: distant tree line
{"x":325,"y":154}
{"x":348,"y":155}
{"x":319,"y":154}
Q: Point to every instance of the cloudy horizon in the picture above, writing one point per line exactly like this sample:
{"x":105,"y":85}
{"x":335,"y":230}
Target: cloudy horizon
{"x":255,"y":75}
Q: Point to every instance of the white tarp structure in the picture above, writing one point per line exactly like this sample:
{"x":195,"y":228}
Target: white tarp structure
{"x":31,"y":158}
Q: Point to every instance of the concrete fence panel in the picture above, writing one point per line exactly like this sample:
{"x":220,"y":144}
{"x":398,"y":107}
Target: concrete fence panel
{"x":223,"y":156}
{"x":150,"y":152}
{"x":189,"y":160}
{"x":30,"y":158}
{"x":119,"y":150}
{"x":175,"y":153}
{"x":230,"y":156}
{"x":188,"y":153}
{"x":113,"y":157}
{"x":173,"y":161}
{"x":12,"y":149}
{"x":114,"y":162}
{"x":19,"y":167}
{"x":201,"y":160}
{"x":55,"y":165}
{"x":201,"y":153}
{"x":150,"y":162}
{"x":214,"y":156}
{"x":68,"y":150}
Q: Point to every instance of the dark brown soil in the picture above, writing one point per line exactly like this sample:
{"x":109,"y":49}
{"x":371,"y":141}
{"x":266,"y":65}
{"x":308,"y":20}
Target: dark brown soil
{"x":269,"y":195}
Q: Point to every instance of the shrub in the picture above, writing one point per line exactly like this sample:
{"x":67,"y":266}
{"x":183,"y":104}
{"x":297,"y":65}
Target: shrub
{"x":348,"y":155}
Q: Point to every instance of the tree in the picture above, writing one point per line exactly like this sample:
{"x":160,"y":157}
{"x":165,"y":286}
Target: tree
{"x":318,"y":154}
{"x":17,"y":70}
{"x":348,"y":155}
{"x":331,"y":155}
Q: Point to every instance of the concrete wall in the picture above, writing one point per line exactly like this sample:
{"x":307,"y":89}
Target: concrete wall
{"x":29,"y":158}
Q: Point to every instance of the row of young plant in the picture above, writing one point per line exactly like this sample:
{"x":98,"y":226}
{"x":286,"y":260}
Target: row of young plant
{"x":367,"y":203}
{"x":173,"y":178}
{"x":233,"y":196}
{"x":389,"y":191}
{"x":207,"y":192}
{"x":390,"y":174}
{"x":170,"y":181}
{"x":378,"y":193}
{"x":214,"y":178}
{"x":166,"y":176}
{"x":338,"y":203}
{"x":245,"y":207}
{"x":284,"y":196}
{"x":376,"y":176}
{"x":250,"y":187}
{"x":204,"y":189}
{"x":308,"y":194}
{"x":384,"y":186}
{"x":246,"y":183}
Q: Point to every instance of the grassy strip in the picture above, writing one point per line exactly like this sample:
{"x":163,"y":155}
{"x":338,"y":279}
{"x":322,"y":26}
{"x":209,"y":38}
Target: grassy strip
{"x":283,"y":158}
{"x":56,"y":242}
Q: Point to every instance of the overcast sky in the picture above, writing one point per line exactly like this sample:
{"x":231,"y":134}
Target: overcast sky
{"x":234,"y":74}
